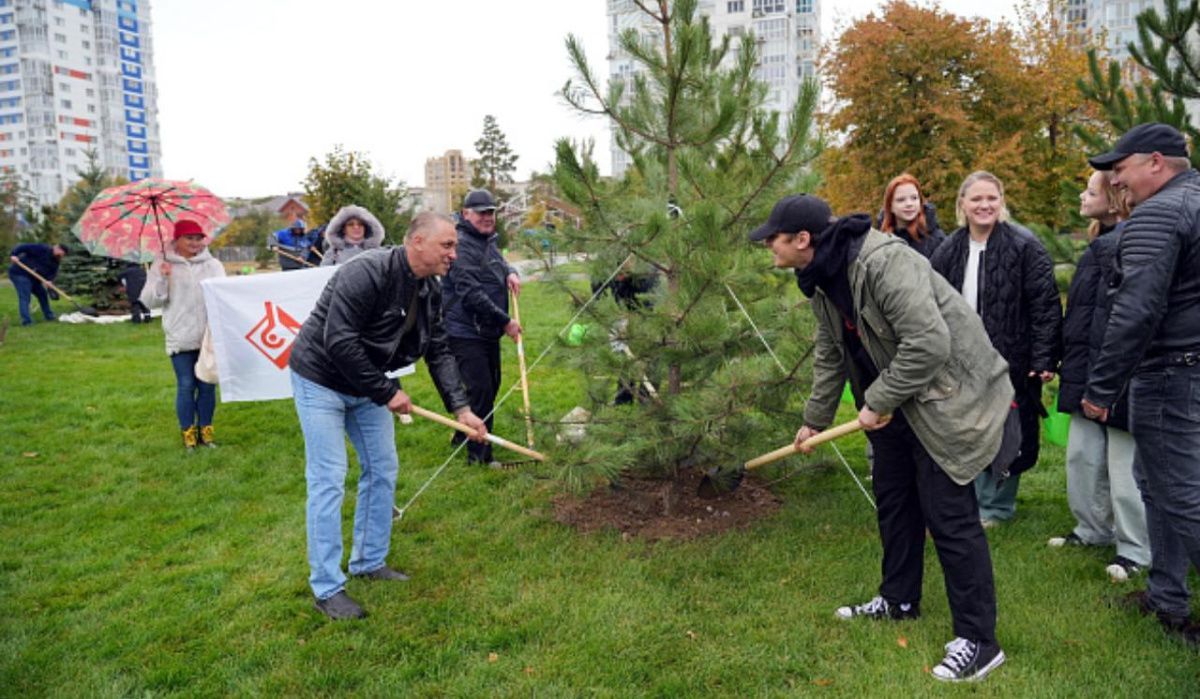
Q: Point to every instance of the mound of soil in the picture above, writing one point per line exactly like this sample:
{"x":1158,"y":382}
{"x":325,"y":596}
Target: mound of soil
{"x":665,"y":509}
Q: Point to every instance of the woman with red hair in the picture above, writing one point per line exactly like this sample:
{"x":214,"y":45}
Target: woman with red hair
{"x":908,"y":215}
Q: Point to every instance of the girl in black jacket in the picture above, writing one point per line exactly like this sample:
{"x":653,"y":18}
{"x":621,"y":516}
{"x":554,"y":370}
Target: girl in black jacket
{"x":1101,"y":490}
{"x":1006,"y":274}
{"x":908,"y":215}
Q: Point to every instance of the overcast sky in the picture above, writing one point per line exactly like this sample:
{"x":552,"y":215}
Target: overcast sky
{"x":249,"y":90}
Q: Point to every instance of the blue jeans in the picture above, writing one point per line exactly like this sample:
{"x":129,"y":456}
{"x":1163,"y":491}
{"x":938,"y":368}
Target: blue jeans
{"x":195,"y":400}
{"x":326,"y":418}
{"x":1164,"y":409}
{"x":25,"y":286}
{"x":997,"y":500}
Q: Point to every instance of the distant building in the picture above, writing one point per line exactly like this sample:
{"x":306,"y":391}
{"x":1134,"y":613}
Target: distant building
{"x":447,"y":178}
{"x":1115,"y":19}
{"x":76,"y":75}
{"x":787,"y":33}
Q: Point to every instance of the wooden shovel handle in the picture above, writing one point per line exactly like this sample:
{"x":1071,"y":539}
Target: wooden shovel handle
{"x":455,"y":424}
{"x":516,"y":309}
{"x":820,"y":438}
{"x":46,"y":282}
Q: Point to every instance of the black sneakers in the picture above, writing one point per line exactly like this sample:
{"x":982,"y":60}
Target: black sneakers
{"x":340,"y":606}
{"x":968,"y":661}
{"x":1071,"y":539}
{"x":879,"y":608}
{"x":383,"y":573}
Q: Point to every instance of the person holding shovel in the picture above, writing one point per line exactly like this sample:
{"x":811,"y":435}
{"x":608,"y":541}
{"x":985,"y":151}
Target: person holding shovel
{"x":43,"y":259}
{"x":381,"y":311}
{"x":934,"y":396}
{"x":173,"y":284}
{"x":477,"y":312}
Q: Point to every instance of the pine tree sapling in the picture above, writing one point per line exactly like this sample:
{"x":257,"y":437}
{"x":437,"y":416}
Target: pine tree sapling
{"x":708,"y":163}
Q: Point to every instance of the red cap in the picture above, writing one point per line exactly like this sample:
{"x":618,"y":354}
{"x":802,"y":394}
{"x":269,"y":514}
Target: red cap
{"x":186,"y":226}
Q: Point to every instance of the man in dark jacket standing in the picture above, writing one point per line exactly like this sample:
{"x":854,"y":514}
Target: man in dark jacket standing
{"x":1152,"y":342}
{"x":476,"y":291}
{"x":43,"y":259}
{"x":381,"y":311}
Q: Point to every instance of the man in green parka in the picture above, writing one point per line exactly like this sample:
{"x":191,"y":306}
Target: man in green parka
{"x":934,"y":397}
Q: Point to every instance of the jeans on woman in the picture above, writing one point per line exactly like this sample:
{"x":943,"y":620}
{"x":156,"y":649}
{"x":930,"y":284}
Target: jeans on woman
{"x":195,"y":400}
{"x":326,"y":418}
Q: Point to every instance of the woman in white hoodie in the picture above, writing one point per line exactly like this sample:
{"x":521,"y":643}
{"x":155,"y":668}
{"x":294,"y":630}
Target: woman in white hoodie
{"x":352,"y":230}
{"x":174,"y":285}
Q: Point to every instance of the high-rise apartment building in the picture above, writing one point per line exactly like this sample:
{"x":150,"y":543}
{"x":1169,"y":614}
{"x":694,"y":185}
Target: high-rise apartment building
{"x":787,"y":33}
{"x":1115,"y":19}
{"x":447,"y":179}
{"x":76,"y":75}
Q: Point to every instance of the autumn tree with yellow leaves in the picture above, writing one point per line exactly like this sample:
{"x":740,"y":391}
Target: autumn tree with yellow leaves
{"x":918,"y":89}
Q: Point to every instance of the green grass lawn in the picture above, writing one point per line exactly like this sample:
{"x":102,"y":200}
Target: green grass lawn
{"x":129,"y":567}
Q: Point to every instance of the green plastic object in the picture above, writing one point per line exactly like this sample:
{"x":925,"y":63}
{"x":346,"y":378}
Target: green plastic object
{"x":575,"y":334}
{"x":1056,"y":427}
{"x":847,"y":396}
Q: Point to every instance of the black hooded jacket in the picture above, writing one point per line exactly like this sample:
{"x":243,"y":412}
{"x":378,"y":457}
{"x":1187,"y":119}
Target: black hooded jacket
{"x":1018,"y":298}
{"x":1088,"y":303}
{"x":476,"y":288}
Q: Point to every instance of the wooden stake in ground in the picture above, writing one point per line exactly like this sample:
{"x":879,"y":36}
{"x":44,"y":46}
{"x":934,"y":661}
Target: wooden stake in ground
{"x":516,"y":309}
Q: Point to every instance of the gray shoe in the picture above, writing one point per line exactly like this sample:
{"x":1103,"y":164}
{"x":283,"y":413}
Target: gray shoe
{"x":340,"y":606}
{"x":383,"y":573}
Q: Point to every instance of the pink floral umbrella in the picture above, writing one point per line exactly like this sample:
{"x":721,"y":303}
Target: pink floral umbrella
{"x":136,"y":221}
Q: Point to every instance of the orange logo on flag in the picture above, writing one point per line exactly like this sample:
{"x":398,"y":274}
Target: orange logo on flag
{"x":274,"y":335}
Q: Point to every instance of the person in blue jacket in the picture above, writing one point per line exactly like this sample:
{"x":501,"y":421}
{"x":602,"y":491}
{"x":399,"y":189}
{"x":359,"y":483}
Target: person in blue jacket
{"x":43,"y":259}
{"x":297,"y":243}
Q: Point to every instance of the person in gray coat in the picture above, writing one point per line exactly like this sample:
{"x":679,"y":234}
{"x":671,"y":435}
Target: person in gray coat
{"x":934,"y":397}
{"x":352,"y":230}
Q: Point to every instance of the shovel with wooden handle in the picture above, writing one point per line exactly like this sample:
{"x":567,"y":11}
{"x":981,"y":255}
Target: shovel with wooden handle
{"x":524,"y":376}
{"x":86,"y":310}
{"x":716,"y":481}
{"x":498,"y":441}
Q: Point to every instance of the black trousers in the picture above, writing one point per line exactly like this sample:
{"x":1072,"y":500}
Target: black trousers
{"x":1029,"y":405}
{"x":479,"y":365}
{"x":912,"y":494}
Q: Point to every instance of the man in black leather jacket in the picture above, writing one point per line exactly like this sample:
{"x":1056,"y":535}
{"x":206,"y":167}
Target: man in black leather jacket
{"x":1152,"y":342}
{"x":477,"y":310}
{"x":381,"y":311}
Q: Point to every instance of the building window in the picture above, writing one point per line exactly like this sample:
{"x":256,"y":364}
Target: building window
{"x":60,"y":38}
{"x":59,"y":21}
{"x":63,"y":87}
{"x":91,"y":109}
{"x":804,"y":6}
{"x":66,"y":104}
{"x":735,"y":6}
{"x":62,"y":55}
{"x":87,"y":44}
{"x":769,"y":7}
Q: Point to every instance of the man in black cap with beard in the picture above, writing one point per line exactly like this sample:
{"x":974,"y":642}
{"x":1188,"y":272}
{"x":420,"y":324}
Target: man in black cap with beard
{"x":1152,"y":345}
{"x":475,"y":294}
{"x":934,"y":396}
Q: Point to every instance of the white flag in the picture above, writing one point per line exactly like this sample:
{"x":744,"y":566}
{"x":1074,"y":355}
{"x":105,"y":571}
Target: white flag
{"x":254,"y":320}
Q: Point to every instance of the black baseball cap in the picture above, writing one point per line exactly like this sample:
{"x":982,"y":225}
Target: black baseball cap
{"x":1143,"y":138}
{"x":479,"y":200}
{"x":795,"y":213}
